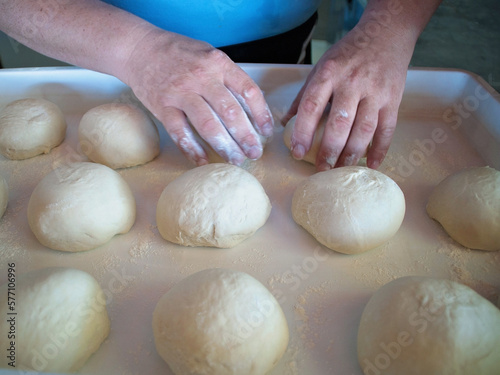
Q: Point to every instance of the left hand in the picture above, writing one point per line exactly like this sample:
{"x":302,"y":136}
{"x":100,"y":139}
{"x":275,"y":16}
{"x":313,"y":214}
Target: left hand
{"x":365,"y":83}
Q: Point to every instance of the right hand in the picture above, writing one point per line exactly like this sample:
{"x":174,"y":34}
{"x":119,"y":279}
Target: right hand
{"x":179,"y":78}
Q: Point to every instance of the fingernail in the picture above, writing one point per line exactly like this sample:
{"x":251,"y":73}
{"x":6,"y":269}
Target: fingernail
{"x":253,"y":152}
{"x":267,"y":129}
{"x":201,"y":161}
{"x":237,"y":160}
{"x":374,"y":164}
{"x":298,"y":151}
{"x":324,"y":167}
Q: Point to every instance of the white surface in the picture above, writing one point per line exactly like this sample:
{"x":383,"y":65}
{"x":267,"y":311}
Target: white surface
{"x":322,"y":292}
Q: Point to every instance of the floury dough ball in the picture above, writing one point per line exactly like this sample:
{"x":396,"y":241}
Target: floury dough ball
{"x":217,"y":205}
{"x":118,"y":135}
{"x":418,"y":325}
{"x":350,"y":209}
{"x":30,"y":127}
{"x":220,"y":321}
{"x":61,"y":319}
{"x":467,"y":205}
{"x":80,"y":206}
{"x":4,"y":195}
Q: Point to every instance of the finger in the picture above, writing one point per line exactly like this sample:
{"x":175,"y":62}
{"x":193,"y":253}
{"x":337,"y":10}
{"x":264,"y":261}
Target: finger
{"x":235,"y":120}
{"x":178,"y":128}
{"x":251,"y":98}
{"x":382,"y":138}
{"x":361,"y":134}
{"x":312,"y":104}
{"x":337,"y":129}
{"x":210,"y":128}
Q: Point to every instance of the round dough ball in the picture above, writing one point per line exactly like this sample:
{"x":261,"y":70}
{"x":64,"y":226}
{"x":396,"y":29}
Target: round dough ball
{"x":61,"y":320}
{"x":30,"y":127}
{"x":467,"y":205}
{"x":418,"y":325}
{"x":220,"y":321}
{"x":4,"y":195}
{"x":350,"y":209}
{"x":118,"y":135}
{"x":80,"y":206}
{"x":217,"y":205}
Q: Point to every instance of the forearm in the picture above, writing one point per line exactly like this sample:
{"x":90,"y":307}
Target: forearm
{"x":403,"y":19}
{"x":87,"y":33}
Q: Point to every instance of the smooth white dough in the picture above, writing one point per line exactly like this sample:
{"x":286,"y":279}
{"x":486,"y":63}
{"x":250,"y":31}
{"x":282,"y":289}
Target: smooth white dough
{"x":4,"y":195}
{"x":349,"y":209}
{"x":118,"y":135}
{"x":418,"y":325}
{"x":80,"y":206}
{"x":216,"y":205}
{"x":467,"y":205}
{"x":30,"y":127}
{"x":220,"y":321}
{"x":61,"y":320}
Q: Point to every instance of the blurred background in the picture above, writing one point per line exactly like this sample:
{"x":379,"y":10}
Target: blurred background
{"x":463,"y":34}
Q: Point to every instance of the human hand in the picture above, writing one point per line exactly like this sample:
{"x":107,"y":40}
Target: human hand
{"x":191,"y":87}
{"x":364,"y":81}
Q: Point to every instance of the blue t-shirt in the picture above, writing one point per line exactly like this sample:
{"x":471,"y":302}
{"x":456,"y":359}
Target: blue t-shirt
{"x":222,"y":22}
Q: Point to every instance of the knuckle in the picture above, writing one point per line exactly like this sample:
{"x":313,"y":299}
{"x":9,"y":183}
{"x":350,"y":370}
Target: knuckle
{"x":208,"y":125}
{"x":217,"y":55}
{"x":386,"y":132}
{"x":249,"y":139}
{"x":327,"y":70}
{"x":340,"y":123}
{"x":367,"y":126}
{"x":310,"y":105}
{"x":250,"y":91}
{"x":230,"y":112}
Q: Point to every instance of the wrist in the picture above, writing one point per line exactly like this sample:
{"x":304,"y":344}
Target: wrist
{"x":130,"y":50}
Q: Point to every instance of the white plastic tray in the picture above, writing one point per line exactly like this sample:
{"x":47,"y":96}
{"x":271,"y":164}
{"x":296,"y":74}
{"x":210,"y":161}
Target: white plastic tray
{"x":448,"y":120}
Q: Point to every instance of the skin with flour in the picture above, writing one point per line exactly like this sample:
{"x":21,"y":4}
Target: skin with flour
{"x":178,"y":78}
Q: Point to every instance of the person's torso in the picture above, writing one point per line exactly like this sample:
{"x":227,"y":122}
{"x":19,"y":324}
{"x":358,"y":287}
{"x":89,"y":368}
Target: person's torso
{"x":222,"y":22}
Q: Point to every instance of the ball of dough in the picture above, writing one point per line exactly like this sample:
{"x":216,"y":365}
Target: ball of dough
{"x":60,"y":321}
{"x":418,"y":325}
{"x":4,"y":195}
{"x":30,"y":127}
{"x":118,"y":135}
{"x":80,"y":206}
{"x":216,"y":205}
{"x":350,"y":209}
{"x":220,"y":321}
{"x":467,"y":205}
